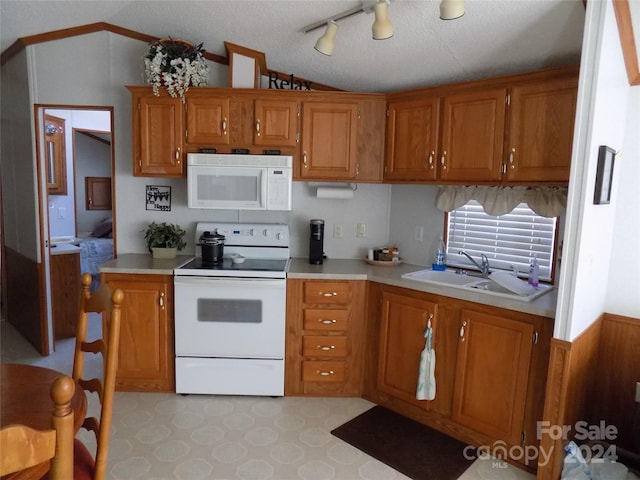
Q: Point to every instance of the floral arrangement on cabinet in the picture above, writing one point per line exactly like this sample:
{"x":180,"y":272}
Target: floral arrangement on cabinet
{"x":176,"y":65}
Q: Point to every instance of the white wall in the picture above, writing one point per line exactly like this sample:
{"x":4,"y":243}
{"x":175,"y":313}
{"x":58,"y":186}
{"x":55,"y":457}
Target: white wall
{"x":19,"y":189}
{"x":600,"y":120}
{"x":623,"y":284}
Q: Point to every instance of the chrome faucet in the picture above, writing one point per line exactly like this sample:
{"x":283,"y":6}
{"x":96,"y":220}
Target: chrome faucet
{"x":484,"y":267}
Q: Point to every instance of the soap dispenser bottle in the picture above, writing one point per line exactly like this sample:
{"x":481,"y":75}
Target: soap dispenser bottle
{"x":533,"y":272}
{"x":440,"y":257}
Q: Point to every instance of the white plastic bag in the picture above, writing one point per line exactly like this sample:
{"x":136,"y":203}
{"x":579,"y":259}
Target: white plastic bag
{"x":575,"y":467}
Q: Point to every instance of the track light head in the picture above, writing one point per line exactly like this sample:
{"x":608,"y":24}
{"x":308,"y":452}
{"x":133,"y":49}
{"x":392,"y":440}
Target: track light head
{"x":451,"y":9}
{"x":327,"y":42}
{"x":382,"y":28}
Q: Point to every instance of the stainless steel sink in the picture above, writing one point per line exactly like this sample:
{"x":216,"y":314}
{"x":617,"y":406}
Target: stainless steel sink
{"x":450,"y":278}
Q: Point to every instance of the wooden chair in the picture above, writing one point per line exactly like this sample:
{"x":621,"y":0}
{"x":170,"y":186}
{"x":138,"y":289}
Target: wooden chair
{"x":109,"y":306}
{"x":23,"y":447}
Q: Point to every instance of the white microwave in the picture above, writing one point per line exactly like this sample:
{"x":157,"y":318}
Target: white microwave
{"x":239,"y":182}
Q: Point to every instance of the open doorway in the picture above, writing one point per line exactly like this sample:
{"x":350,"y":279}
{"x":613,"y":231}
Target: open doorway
{"x":77,"y":159}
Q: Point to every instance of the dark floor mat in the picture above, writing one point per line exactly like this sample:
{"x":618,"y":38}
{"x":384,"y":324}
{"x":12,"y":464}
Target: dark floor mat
{"x":409,"y":447}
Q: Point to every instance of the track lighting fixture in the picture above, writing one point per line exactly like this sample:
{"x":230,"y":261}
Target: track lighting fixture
{"x":451,"y":9}
{"x":381,"y":28}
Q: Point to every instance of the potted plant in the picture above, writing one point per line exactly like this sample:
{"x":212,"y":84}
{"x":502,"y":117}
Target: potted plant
{"x":176,"y":65}
{"x":164,"y":239}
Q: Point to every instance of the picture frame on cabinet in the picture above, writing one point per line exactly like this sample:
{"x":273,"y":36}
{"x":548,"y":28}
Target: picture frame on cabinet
{"x":604,"y":175}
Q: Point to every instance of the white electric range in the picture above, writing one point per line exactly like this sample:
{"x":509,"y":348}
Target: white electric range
{"x":230,"y":317}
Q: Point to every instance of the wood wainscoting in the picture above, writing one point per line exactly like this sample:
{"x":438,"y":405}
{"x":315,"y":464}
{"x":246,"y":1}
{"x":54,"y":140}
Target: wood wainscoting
{"x":591,"y":379}
{"x":24,"y":297}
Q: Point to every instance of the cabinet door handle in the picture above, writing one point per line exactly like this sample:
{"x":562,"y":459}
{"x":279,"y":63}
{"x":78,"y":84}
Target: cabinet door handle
{"x":464,"y":324}
{"x":430,"y":160}
{"x":326,"y":348}
{"x":224,"y":126}
{"x":327,"y":321}
{"x":443,"y":160}
{"x":178,"y":155}
{"x":161,"y":300}
{"x":258,"y":127}
{"x":324,"y":373}
{"x":512,"y":158}
{"x":304,"y":159}
{"x":329,"y":294}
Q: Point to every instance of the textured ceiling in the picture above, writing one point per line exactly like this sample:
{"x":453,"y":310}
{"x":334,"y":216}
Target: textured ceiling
{"x":494,"y":37}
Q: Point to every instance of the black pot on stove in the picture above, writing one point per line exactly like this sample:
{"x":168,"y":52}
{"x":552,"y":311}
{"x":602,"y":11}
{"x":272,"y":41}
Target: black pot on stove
{"x":212,"y":245}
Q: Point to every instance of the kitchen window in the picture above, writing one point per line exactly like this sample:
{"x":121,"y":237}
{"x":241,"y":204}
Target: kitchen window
{"x":509,"y":241}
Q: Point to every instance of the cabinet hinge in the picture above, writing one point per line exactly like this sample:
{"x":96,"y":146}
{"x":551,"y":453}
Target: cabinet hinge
{"x":298,"y":109}
{"x":139,"y":163}
{"x":388,"y":113}
{"x":359,"y":113}
{"x":138,"y":106}
{"x":523,"y":437}
{"x":186,"y":133}
{"x":297,"y":137}
{"x":507,"y":99}
{"x":503,"y":168}
{"x":535,"y":338}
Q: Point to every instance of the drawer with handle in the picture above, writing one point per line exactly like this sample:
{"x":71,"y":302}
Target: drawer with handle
{"x":337,"y":293}
{"x":324,"y":346}
{"x":325,"y":320}
{"x":320,"y":371}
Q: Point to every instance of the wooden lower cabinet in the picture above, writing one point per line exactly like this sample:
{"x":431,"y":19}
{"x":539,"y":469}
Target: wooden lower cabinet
{"x":402,"y":326}
{"x":491,"y":366}
{"x":490,"y":392}
{"x":65,"y":293}
{"x":146,"y":356}
{"x":325,"y":328}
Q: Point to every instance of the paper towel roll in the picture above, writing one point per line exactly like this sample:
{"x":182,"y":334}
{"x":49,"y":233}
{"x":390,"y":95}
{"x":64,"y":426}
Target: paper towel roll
{"x":334,"y":192}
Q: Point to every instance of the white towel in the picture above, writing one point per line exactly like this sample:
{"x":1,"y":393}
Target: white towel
{"x":426,"y":373}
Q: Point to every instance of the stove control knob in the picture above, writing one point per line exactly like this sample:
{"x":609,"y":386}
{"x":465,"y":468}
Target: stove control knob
{"x":265,"y":232}
{"x":278,"y":236}
{"x":252,"y":232}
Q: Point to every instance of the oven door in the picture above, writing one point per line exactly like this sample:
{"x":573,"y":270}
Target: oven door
{"x":230,"y":318}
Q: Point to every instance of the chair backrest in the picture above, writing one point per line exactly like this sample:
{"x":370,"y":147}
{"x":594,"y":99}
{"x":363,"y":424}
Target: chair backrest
{"x":108,"y":305}
{"x":23,"y":447}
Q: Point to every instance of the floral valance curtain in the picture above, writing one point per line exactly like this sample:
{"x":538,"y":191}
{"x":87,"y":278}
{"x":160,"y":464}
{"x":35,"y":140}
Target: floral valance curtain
{"x":545,"y":201}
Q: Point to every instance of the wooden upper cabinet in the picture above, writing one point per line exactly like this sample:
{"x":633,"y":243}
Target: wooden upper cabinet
{"x":329,"y":140}
{"x":55,"y":155}
{"x":541,"y":131}
{"x":276,"y":123}
{"x":492,"y":372}
{"x":207,"y":119}
{"x":473,"y":135}
{"x":158,"y":130}
{"x":413,"y":133}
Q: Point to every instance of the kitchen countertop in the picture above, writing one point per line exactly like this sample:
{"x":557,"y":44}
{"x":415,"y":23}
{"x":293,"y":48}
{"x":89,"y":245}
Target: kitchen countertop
{"x":356,"y":269}
{"x":346,"y":269}
{"x":144,"y":263}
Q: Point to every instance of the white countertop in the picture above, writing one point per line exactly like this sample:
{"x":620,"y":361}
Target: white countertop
{"x":346,"y":269}
{"x":356,"y":269}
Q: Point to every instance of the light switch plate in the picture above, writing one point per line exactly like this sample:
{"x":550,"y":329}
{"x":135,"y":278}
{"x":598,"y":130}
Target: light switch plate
{"x":361,"y":230}
{"x":337,"y":230}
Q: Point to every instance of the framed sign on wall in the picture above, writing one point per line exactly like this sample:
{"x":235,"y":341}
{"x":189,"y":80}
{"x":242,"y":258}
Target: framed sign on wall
{"x":604,"y":175}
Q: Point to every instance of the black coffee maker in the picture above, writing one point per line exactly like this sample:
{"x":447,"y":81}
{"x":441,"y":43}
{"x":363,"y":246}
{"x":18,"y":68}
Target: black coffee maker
{"x":316,"y":241}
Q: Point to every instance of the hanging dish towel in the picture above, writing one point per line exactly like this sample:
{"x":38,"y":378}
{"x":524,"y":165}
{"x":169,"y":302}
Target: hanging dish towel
{"x":426,"y":374}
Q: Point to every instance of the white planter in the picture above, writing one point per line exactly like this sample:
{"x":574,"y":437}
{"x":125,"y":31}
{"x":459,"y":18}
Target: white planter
{"x":161,"y":252}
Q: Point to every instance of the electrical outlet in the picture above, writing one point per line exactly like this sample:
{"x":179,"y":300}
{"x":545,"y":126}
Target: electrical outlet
{"x":638,"y":392}
{"x":419,"y":234}
{"x":337,"y":230}
{"x":361,"y":230}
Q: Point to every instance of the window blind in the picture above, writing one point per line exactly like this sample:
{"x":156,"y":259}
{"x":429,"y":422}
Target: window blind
{"x":509,"y":241}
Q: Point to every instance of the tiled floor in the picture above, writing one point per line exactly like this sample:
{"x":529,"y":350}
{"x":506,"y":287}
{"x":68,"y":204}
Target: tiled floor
{"x":166,"y":436}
